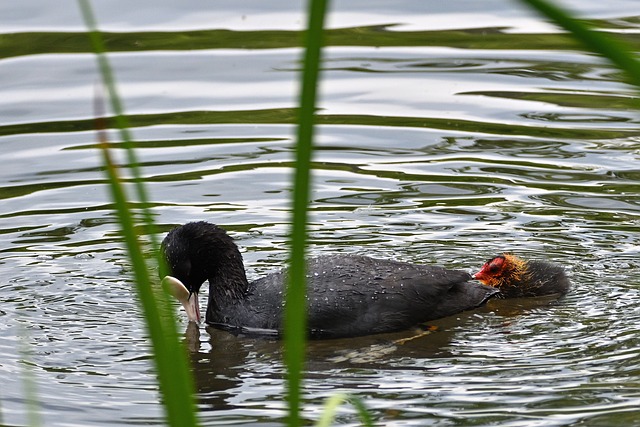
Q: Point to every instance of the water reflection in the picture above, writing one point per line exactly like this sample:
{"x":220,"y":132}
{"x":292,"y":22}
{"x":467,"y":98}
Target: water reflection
{"x":227,"y":367}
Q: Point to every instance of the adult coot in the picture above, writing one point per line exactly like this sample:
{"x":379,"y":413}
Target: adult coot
{"x":347,"y":295}
{"x":515,"y":277}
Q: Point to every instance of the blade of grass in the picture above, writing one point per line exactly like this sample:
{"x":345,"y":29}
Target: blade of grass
{"x":619,"y":53}
{"x":295,"y":309}
{"x":174,"y":376}
{"x":330,"y":408}
{"x":364,"y":414}
{"x":34,"y":417}
{"x":121,"y":120}
{"x":332,"y":404}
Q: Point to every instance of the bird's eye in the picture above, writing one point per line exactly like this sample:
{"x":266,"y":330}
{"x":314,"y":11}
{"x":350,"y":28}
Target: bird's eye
{"x":496,"y":265}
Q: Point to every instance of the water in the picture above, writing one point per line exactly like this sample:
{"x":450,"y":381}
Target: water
{"x":449,"y":132}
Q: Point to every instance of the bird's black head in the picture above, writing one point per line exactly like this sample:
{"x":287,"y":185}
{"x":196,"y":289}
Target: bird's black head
{"x":194,"y":252}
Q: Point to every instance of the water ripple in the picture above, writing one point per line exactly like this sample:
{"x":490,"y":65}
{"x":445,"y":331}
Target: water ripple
{"x":438,"y":146}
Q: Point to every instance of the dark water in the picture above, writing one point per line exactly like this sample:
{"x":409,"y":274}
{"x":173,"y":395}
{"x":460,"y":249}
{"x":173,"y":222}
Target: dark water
{"x":449,"y":132}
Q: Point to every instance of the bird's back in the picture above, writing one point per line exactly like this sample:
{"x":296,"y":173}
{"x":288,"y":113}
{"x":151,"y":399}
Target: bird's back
{"x":355,"y":295}
{"x":351,"y":295}
{"x":545,"y":279}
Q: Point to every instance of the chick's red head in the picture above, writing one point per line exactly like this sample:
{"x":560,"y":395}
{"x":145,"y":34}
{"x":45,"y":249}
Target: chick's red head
{"x":492,"y":271}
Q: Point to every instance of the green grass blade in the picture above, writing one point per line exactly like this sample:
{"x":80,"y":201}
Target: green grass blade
{"x":332,"y":404}
{"x":364,"y":414}
{"x":121,"y":120}
{"x":613,"y":49}
{"x":295,"y":308}
{"x":174,"y":377}
{"x":34,"y":418}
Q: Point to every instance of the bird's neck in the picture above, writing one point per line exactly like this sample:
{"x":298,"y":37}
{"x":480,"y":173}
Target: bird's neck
{"x":514,"y":280}
{"x":230,"y":284}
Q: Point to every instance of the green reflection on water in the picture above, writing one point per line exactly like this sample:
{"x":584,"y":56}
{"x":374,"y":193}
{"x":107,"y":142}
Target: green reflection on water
{"x":287,"y":116}
{"x":18,"y":44}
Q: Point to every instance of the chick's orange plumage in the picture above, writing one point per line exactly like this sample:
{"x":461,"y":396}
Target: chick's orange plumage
{"x":516,"y":277}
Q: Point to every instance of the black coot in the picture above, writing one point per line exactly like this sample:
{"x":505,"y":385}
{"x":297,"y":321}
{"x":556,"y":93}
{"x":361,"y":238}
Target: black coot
{"x":348,"y":295}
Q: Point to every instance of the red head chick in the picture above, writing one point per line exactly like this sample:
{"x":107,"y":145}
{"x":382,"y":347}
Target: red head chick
{"x":519,"y":278}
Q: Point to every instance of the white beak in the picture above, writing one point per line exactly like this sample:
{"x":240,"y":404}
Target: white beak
{"x":188,"y":300}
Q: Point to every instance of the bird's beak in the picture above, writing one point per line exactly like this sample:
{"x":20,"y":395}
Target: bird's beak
{"x":189,"y":300}
{"x":482,"y":277}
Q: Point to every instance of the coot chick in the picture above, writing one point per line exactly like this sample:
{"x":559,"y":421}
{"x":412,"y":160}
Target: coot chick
{"x":517,"y":278}
{"x":347,"y":295}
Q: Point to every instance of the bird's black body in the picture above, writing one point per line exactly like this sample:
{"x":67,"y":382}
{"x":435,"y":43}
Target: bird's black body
{"x":347,"y":295}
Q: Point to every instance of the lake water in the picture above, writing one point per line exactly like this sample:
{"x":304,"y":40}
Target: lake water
{"x":450,"y":131}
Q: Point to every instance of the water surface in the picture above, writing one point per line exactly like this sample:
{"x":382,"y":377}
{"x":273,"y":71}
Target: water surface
{"x":448,"y":133}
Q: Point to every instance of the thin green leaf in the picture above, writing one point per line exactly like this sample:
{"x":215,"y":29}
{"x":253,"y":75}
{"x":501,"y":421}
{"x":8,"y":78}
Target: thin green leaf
{"x":363,"y":412}
{"x":34,"y":416}
{"x":121,"y":120}
{"x":615,"y":50}
{"x":332,"y":404}
{"x":174,"y":376}
{"x":330,"y":408}
{"x":295,"y":309}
